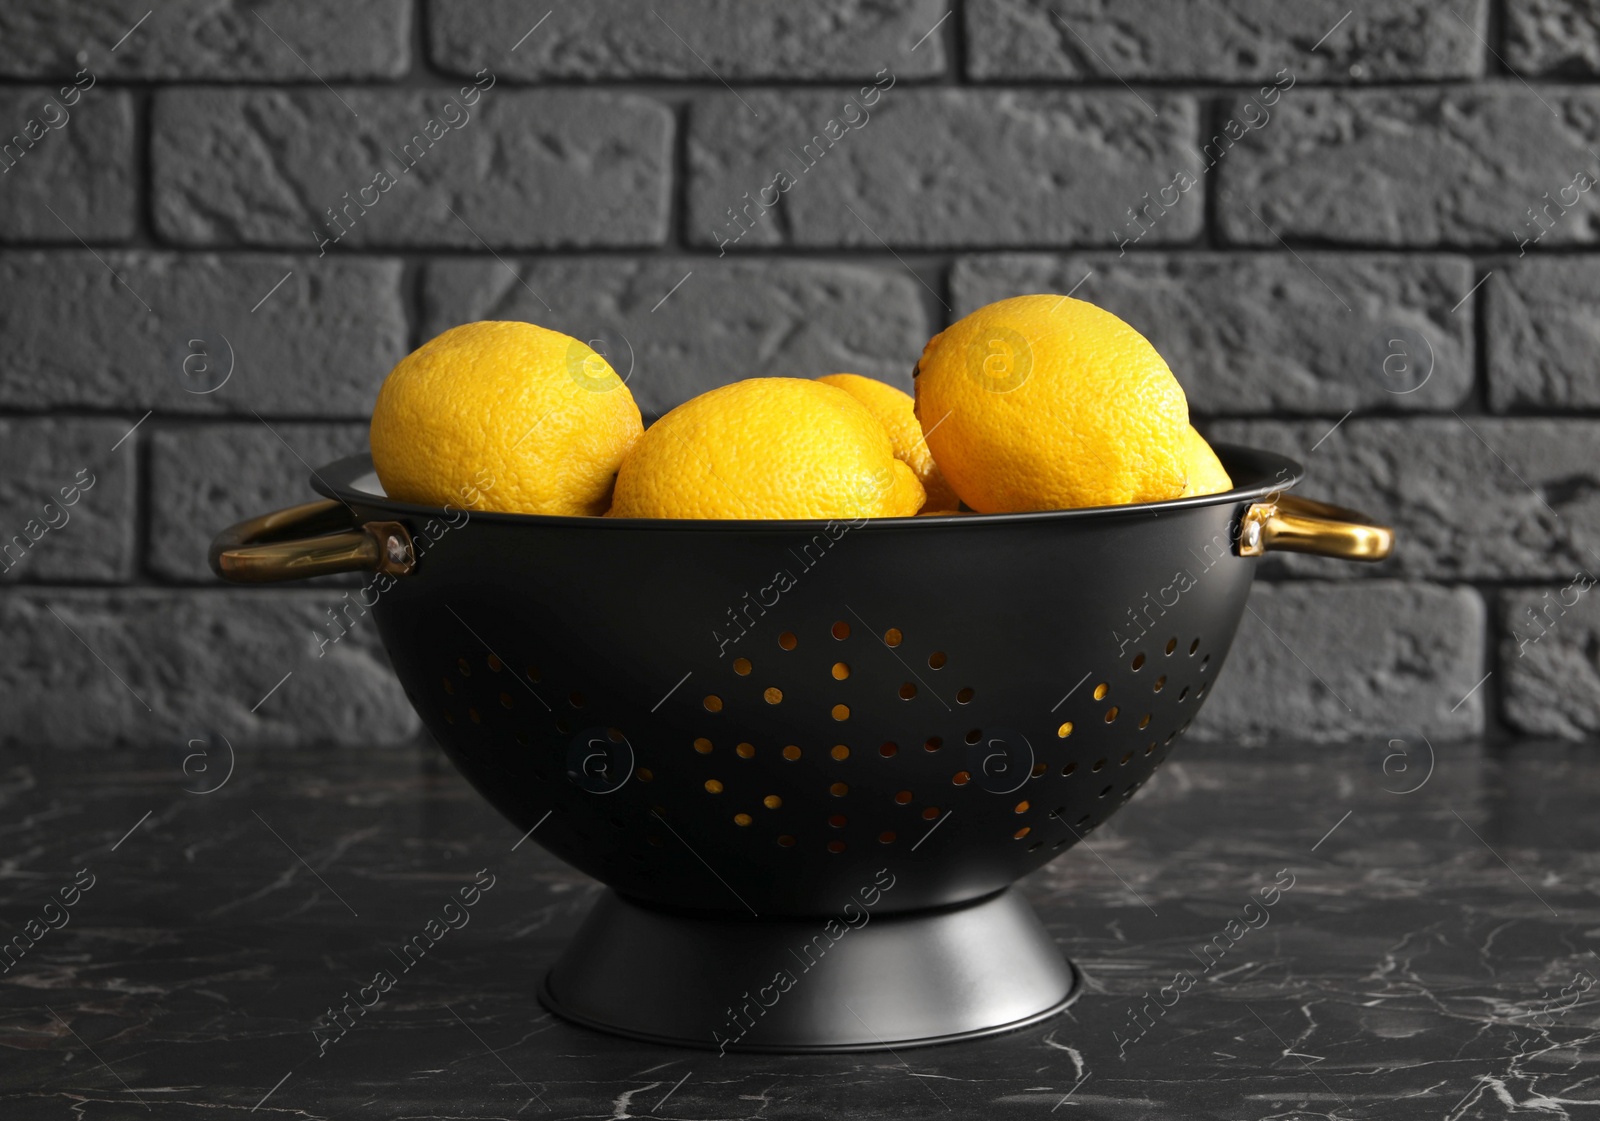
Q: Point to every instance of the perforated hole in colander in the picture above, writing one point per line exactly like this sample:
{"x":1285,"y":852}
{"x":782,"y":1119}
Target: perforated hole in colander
{"x":841,"y":630}
{"x":937,"y":659}
{"x":742,"y":667}
{"x":893,"y":637}
{"x":840,"y":671}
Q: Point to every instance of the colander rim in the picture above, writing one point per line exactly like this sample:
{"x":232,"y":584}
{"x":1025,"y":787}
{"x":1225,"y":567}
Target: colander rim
{"x":346,"y":479}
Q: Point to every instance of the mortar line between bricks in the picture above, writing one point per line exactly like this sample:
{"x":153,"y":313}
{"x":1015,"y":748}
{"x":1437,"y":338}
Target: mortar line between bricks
{"x":955,"y":45}
{"x":1485,"y":256}
{"x":1481,"y":396}
{"x":678,"y":180}
{"x":429,"y":79}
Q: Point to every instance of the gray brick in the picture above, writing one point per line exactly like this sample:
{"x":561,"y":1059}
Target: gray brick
{"x":1550,"y":656}
{"x":55,"y":522}
{"x":1459,"y":507}
{"x":1221,"y":40}
{"x":1553,"y":37}
{"x":73,"y":155}
{"x":692,"y":39}
{"x":320,"y":345}
{"x":204,"y":39}
{"x":1368,"y":659}
{"x":205,"y":477}
{"x":192,"y":664}
{"x":939,"y":168}
{"x":1543,"y":332}
{"x":1458,"y":166}
{"x":1260,"y":333}
{"x":732,"y":319}
{"x":524,"y":168}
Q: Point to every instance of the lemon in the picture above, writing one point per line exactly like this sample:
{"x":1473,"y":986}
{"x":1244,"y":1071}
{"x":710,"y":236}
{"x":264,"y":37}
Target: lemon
{"x":503,"y":416}
{"x":767,"y":448}
{"x":1046,"y":402}
{"x":1205,"y":472}
{"x":896,"y":411}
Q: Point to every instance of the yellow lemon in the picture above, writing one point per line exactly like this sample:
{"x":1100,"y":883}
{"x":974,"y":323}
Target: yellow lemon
{"x":1045,"y":402}
{"x":896,"y":411}
{"x":1205,"y":471}
{"x":518,"y":417}
{"x":767,"y":448}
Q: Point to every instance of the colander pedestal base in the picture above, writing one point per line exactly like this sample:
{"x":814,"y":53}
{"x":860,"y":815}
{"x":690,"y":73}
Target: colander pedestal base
{"x":858,"y":982}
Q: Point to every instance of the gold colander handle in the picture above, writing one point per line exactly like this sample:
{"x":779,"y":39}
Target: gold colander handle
{"x":1291,"y":524}
{"x":313,"y":539}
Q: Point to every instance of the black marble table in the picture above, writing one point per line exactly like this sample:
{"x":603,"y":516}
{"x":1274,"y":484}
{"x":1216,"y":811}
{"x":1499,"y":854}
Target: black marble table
{"x":1435,"y":956}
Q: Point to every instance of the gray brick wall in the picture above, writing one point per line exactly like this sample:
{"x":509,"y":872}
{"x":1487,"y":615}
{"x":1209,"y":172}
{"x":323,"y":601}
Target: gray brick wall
{"x":220,"y":226}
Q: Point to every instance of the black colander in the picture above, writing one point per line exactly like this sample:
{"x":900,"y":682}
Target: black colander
{"x":809,"y":759}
